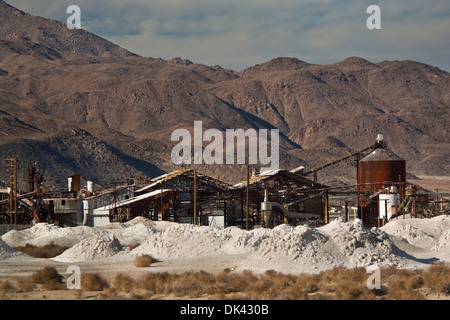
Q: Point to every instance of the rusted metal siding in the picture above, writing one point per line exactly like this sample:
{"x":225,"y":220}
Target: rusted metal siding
{"x":378,"y":170}
{"x":373,"y":175}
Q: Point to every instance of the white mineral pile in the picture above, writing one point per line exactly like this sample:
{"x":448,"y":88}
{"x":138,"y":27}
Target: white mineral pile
{"x":284,"y":248}
{"x":43,"y":234}
{"x":422,"y":238}
{"x":409,"y":243}
{"x":97,"y":247}
{"x":6,"y":252}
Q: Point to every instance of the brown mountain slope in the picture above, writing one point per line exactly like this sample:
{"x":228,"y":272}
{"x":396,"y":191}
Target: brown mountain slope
{"x":344,"y":105}
{"x":18,"y":25}
{"x":76,"y":103}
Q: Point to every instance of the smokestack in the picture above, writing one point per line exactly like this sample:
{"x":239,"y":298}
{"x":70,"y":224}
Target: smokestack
{"x":90,"y":187}
{"x":266,"y":208}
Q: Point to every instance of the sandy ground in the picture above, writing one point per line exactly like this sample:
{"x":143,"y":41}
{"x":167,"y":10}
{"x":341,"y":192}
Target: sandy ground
{"x":434,"y":183}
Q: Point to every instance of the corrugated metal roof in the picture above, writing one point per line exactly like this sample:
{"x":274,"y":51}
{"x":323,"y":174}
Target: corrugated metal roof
{"x":381,"y":154}
{"x":161,"y":178}
{"x":188,"y":173}
{"x":107,"y":190}
{"x":284,"y":173}
{"x":132,"y":200}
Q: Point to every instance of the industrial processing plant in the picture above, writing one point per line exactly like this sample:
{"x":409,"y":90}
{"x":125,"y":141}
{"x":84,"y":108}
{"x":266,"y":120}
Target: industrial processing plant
{"x":265,"y":199}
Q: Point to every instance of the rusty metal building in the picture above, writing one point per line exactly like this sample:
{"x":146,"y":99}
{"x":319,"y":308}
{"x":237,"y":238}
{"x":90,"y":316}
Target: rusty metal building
{"x":192,"y":198}
{"x":377,"y":173}
{"x":278,"y":196}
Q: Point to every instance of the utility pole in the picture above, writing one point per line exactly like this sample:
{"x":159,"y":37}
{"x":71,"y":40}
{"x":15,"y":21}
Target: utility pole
{"x":13,"y":190}
{"x":195,"y":197}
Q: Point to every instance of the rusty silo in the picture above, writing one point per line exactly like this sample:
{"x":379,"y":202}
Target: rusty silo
{"x":379,"y":170}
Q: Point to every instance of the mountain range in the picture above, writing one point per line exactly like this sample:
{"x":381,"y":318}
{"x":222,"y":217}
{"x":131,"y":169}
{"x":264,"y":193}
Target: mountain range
{"x":74,"y":103}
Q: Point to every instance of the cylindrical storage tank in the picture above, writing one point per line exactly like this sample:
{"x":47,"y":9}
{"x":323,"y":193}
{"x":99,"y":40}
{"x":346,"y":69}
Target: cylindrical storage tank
{"x":388,"y":205}
{"x":376,"y":171}
{"x":76,"y":182}
{"x":380,"y":169}
{"x":90,"y":186}
{"x":69,"y":184}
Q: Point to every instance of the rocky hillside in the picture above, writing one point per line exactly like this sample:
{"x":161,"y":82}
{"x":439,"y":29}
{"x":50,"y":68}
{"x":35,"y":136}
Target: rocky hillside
{"x":76,"y":103}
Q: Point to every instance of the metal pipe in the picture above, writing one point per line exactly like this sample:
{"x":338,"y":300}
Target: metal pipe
{"x":346,"y":211}
{"x":248,"y":190}
{"x":195,"y":197}
{"x":162,"y":202}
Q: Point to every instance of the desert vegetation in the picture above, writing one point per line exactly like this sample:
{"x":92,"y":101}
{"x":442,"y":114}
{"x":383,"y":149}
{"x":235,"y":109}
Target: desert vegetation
{"x":47,"y":251}
{"x":143,"y":261}
{"x":336,"y":284}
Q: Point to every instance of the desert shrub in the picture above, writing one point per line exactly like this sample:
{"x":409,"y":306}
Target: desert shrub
{"x":49,"y":278}
{"x":93,"y":282}
{"x":183,"y":285}
{"x":437,"y":277}
{"x":53,"y":284}
{"x":108,"y":294}
{"x":46,"y":275}
{"x":123,"y":282}
{"x":143,"y":261}
{"x":25,"y":285}
{"x":193,"y":284}
{"x":238,"y":282}
{"x":415,"y":282}
{"x":6,"y":287}
{"x":48,"y":251}
{"x":154,"y":283}
{"x":349,"y":293}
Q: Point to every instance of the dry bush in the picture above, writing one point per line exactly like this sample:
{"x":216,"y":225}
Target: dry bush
{"x":191,"y":284}
{"x":124,"y":283}
{"x":353,"y":291}
{"x":239,"y":282}
{"x":48,"y":251}
{"x":437,"y":278}
{"x":399,"y":288}
{"x":182,"y":285}
{"x":48,"y":277}
{"x":339,"y":283}
{"x":273,"y":286}
{"x":109,"y":294}
{"x":154,"y":283}
{"x":143,"y":261}
{"x":53,"y":284}
{"x":403,"y":284}
{"x":93,"y":282}
{"x":25,"y":285}
{"x":345,"y":275}
{"x":6,"y":287}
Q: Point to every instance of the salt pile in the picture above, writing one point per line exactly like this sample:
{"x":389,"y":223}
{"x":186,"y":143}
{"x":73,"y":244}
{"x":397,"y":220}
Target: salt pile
{"x":431,"y":236}
{"x":43,"y":233}
{"x":305,"y":249}
{"x":91,"y":249}
{"x":132,"y":235}
{"x":408,"y":243}
{"x":6,"y":252}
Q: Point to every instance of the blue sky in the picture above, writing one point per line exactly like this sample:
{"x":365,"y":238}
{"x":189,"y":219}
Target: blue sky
{"x":241,"y":33}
